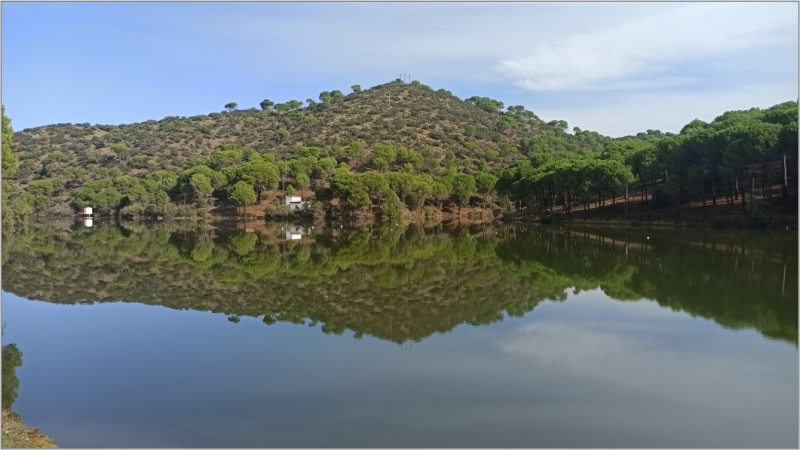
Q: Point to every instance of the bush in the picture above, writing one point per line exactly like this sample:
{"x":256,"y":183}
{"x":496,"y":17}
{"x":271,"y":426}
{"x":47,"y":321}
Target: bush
{"x":278,"y":209}
{"x":392,"y":209}
{"x":132,"y":211}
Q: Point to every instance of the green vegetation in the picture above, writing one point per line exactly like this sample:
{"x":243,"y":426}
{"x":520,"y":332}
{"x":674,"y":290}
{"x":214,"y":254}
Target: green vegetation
{"x":12,"y":358}
{"x":429,"y":147}
{"x":406,"y":284}
{"x":740,"y":155}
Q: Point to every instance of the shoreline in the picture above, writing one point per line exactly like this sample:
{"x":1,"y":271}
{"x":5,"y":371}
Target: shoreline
{"x":474,"y":216}
{"x":17,"y":435}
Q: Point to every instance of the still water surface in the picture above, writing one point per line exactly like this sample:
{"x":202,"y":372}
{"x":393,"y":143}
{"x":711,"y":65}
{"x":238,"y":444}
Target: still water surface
{"x":186,"y":336}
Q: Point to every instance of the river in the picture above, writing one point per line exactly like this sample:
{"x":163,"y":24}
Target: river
{"x":187,"y":335}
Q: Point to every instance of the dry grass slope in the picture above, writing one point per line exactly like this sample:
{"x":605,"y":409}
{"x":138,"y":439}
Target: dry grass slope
{"x":17,"y":435}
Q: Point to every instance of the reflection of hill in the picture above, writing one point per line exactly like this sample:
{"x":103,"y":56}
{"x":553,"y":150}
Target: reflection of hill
{"x":403,"y":284}
{"x":399,"y":287}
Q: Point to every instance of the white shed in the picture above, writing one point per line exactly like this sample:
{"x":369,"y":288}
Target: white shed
{"x":87,"y":211}
{"x":294,"y":202}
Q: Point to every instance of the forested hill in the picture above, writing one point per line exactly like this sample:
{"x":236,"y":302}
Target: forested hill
{"x":395,"y":148}
{"x":407,"y":115}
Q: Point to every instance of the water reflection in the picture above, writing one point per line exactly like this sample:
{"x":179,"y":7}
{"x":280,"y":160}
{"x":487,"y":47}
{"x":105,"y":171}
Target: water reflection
{"x":405,"y":284}
{"x":573,"y":337}
{"x":12,"y":358}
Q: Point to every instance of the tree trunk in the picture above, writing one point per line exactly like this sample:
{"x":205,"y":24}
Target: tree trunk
{"x":744,"y":202}
{"x":785,"y":180}
{"x":626,"y":199}
{"x":768,"y":182}
{"x":703,"y":198}
{"x":729,"y":194}
{"x":569,"y":205}
{"x":644,"y":187}
{"x":736,"y":187}
{"x":713,"y":193}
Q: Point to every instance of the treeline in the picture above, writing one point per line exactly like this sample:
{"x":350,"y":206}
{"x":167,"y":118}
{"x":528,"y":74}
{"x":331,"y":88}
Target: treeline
{"x":400,"y":283}
{"x":739,"y":155}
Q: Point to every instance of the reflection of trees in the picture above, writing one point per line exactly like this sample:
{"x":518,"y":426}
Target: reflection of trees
{"x":12,"y":358}
{"x":734,"y":281}
{"x":405,"y":284}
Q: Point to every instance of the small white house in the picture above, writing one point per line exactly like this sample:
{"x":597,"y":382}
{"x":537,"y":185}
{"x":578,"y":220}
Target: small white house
{"x":294,"y":202}
{"x":87,"y":211}
{"x":294,"y":233}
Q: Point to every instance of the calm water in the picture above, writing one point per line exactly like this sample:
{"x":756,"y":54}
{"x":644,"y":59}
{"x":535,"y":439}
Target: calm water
{"x":176,"y":336}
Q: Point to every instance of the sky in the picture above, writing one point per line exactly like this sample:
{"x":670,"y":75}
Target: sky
{"x":614,"y":68}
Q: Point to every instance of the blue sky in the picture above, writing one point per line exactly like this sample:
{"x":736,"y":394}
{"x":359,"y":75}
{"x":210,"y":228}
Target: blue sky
{"x":616,"y":68}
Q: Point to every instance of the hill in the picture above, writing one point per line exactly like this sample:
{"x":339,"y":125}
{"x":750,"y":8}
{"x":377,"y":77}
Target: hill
{"x":408,"y":115}
{"x":431,"y":130}
{"x":396,"y":148}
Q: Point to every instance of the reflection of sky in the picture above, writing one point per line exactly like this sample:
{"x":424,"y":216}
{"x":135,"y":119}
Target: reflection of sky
{"x":586,"y":372}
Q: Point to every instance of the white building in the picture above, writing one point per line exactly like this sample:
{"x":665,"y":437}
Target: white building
{"x":294,"y":202}
{"x":294,"y":233}
{"x":87,"y":211}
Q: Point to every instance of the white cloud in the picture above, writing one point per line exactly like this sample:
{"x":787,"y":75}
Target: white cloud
{"x":640,"y":357}
{"x":649,"y":46}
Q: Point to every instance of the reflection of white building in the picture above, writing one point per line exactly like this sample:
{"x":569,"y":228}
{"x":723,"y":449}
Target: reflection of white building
{"x":87,"y":222}
{"x":294,"y":202}
{"x":294,"y":233}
